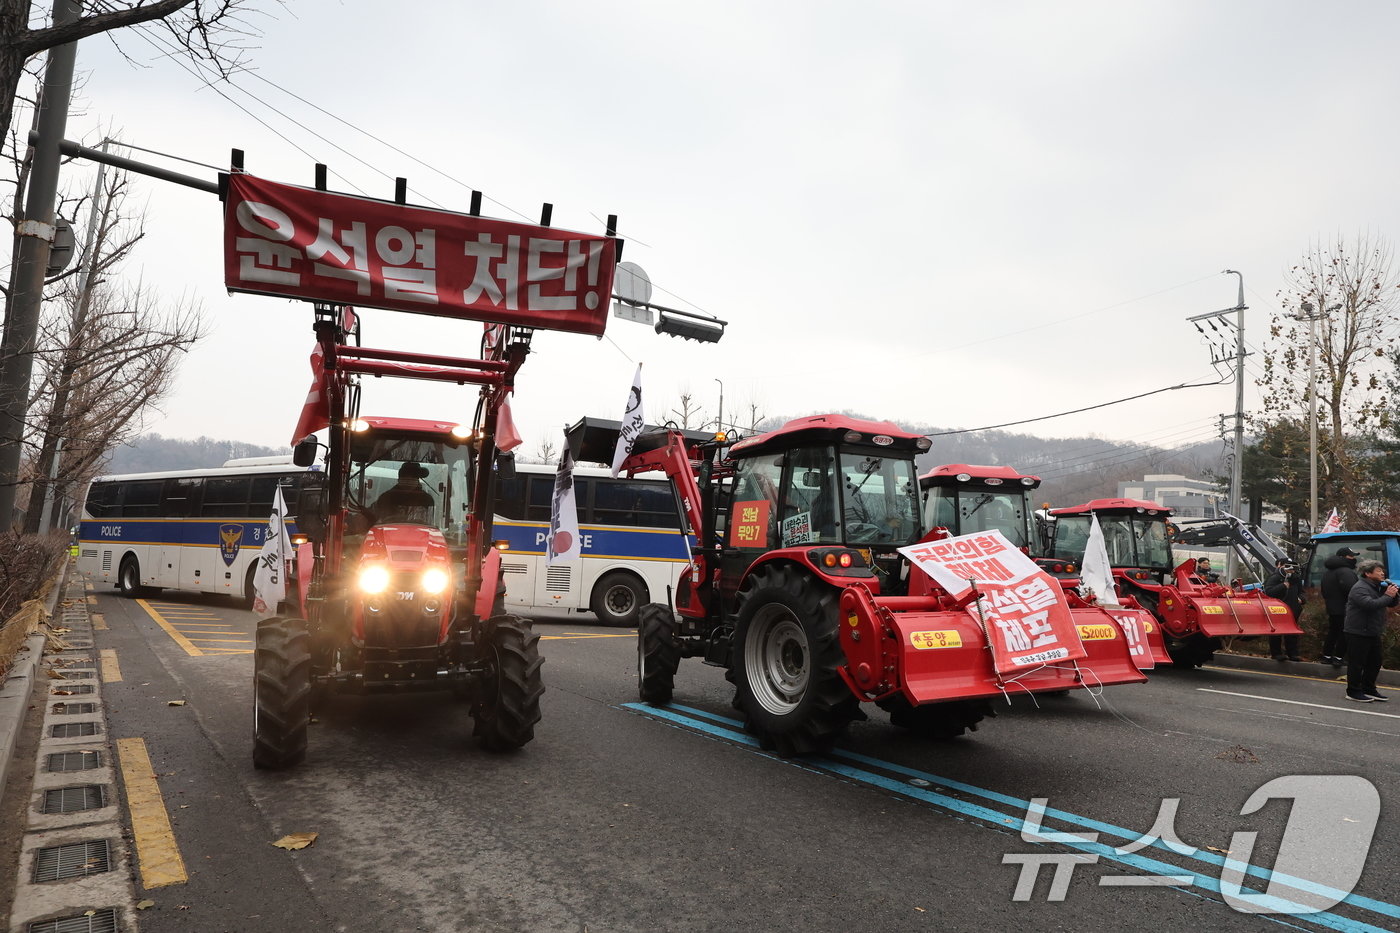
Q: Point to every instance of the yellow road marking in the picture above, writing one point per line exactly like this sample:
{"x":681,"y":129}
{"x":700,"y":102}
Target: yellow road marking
{"x":223,"y":641}
{"x":1245,"y":670}
{"x":156,"y":850}
{"x":111,"y":671}
{"x":170,"y":630}
{"x":99,"y":622}
{"x":213,"y":651}
{"x":573,"y":637}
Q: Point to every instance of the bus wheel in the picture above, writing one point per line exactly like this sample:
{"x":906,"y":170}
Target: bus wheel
{"x":617,"y":599}
{"x":129,"y":578}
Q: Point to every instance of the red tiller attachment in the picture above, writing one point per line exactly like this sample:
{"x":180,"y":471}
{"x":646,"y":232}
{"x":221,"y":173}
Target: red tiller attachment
{"x":916,"y":646}
{"x":1216,"y":611}
{"x":1137,"y":623}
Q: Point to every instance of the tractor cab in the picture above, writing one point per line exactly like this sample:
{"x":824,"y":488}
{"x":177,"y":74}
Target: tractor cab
{"x":1134,"y":531}
{"x":966,"y":499}
{"x":409,"y":472}
{"x":835,"y":492}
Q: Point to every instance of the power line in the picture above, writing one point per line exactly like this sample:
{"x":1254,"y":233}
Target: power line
{"x":1076,"y":411}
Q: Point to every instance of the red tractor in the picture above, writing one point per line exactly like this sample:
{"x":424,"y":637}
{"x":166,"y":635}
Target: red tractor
{"x":1194,"y":613}
{"x":964,"y":498}
{"x":798,"y":590}
{"x":398,"y":587}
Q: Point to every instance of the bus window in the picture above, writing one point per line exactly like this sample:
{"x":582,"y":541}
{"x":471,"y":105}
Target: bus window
{"x":510,"y":496}
{"x":226,"y":497}
{"x":102,"y":499}
{"x":180,"y":497}
{"x":142,"y":499}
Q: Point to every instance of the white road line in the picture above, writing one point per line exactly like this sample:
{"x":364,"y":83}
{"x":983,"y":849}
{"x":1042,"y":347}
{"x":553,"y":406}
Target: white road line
{"x":1342,"y":709}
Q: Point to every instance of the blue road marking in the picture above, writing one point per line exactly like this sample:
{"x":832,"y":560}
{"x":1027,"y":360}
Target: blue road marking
{"x":677,"y":714}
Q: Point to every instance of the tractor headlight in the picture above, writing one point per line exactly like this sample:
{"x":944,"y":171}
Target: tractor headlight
{"x":435,"y":580}
{"x":374,"y":579}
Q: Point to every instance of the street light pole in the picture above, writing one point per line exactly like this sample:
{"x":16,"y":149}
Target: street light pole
{"x":1312,"y":314}
{"x":719,"y":421}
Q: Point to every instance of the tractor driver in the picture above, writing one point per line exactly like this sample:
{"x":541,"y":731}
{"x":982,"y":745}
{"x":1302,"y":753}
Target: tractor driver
{"x":408,"y":500}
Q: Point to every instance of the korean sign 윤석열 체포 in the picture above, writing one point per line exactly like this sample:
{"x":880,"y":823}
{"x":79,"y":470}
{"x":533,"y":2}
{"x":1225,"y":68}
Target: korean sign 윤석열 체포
{"x":319,"y":245}
{"x":1027,"y":618}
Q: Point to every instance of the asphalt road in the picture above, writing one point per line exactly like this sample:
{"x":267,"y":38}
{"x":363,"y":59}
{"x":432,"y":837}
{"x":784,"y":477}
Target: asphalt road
{"x":621,"y":818}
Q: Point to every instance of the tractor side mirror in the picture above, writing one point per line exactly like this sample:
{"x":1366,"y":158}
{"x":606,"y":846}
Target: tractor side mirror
{"x":312,"y":506}
{"x":304,"y":453}
{"x":812,"y":479}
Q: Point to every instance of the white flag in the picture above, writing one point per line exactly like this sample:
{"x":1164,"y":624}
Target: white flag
{"x":563,"y":543}
{"x":1333,"y":523}
{"x":270,"y":577}
{"x":1096,"y":571}
{"x":631,"y":423}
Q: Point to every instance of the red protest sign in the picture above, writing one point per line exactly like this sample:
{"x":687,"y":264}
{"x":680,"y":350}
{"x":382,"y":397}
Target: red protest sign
{"x":748,"y":524}
{"x":323,"y":246}
{"x":1022,"y":608}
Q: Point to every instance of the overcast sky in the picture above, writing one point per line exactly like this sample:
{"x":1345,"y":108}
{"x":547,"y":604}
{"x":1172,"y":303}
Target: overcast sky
{"x":959,"y":214}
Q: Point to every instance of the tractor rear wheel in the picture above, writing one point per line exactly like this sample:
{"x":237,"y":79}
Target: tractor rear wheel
{"x":1192,"y":651}
{"x":658,"y":654}
{"x":506,"y":700}
{"x":281,"y":692}
{"x":785,"y":662}
{"x":937,"y":720}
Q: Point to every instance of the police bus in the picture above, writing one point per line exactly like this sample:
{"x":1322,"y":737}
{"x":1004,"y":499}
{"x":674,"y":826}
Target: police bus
{"x":632,"y":546}
{"x":197,"y":530}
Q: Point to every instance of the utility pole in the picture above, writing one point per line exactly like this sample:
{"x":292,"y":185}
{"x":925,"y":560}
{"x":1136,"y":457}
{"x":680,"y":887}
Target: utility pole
{"x":1237,"y":462}
{"x":719,"y":422}
{"x":35,"y":234}
{"x":1313,"y":314}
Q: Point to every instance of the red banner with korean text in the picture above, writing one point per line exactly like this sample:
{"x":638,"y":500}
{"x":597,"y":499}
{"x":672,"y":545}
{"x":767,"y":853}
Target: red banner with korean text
{"x":1023,"y":608}
{"x":323,"y":246}
{"x":748,"y":523}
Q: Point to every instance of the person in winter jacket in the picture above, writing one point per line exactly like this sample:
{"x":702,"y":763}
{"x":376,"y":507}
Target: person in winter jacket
{"x":1366,"y":617}
{"x":1338,"y":577}
{"x":1285,"y":584}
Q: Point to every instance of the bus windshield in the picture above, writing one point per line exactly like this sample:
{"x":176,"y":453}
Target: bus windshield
{"x":412,"y":480}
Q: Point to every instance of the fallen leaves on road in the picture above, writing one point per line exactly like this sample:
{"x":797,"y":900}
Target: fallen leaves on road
{"x":1221,"y":851}
{"x":176,"y":703}
{"x":142,"y":905}
{"x":296,"y":841}
{"x":54,"y":675}
{"x":1239,"y":755}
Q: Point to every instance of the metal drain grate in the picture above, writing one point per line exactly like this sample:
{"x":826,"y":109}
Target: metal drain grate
{"x":80,"y":644}
{"x":68,"y":730}
{"x":74,"y":709}
{"x":75,"y":761}
{"x":76,"y":688}
{"x":72,"y":861}
{"x":94,"y":921}
{"x":74,"y":799}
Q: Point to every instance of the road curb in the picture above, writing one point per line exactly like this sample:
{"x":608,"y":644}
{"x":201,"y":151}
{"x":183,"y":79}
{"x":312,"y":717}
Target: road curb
{"x":1387,"y":678}
{"x":18,"y":687}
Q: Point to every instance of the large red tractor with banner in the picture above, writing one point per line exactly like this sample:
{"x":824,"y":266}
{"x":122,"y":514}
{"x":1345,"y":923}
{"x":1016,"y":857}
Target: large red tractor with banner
{"x":801,"y":587}
{"x":1194,"y":613}
{"x":398,"y":586}
{"x":966,"y":498}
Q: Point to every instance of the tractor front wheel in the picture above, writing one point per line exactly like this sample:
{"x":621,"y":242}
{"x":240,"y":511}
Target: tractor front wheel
{"x":281,"y":692}
{"x":941,"y":721}
{"x":785,"y":662}
{"x":658,"y":654}
{"x":506,"y":700}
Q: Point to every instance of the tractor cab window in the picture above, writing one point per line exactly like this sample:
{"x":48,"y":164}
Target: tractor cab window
{"x":879,"y":498}
{"x":941,"y":509}
{"x":992,"y":510}
{"x":809,"y":502}
{"x":1071,"y":538}
{"x":753,"y":513}
{"x":1150,"y":538}
{"x":411,"y":480}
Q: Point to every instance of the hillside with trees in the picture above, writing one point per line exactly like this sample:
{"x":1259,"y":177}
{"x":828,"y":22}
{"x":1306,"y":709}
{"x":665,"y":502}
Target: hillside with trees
{"x":152,"y":452}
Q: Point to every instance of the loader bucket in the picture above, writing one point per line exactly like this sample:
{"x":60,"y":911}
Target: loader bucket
{"x":1242,"y":615}
{"x":940,"y":655}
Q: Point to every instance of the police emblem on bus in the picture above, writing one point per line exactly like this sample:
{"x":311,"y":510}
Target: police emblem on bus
{"x":230,"y":536}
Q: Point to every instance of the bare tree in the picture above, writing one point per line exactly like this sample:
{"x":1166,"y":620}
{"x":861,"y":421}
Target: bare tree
{"x":212,"y":31}
{"x":689,"y":411}
{"x":546,"y":451}
{"x":1350,"y":289}
{"x":107,"y":355}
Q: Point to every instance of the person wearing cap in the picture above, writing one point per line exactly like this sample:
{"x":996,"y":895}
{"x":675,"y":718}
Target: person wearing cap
{"x":407,"y":500}
{"x":1366,"y":617}
{"x":1338,"y":577}
{"x":1284,"y":584}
